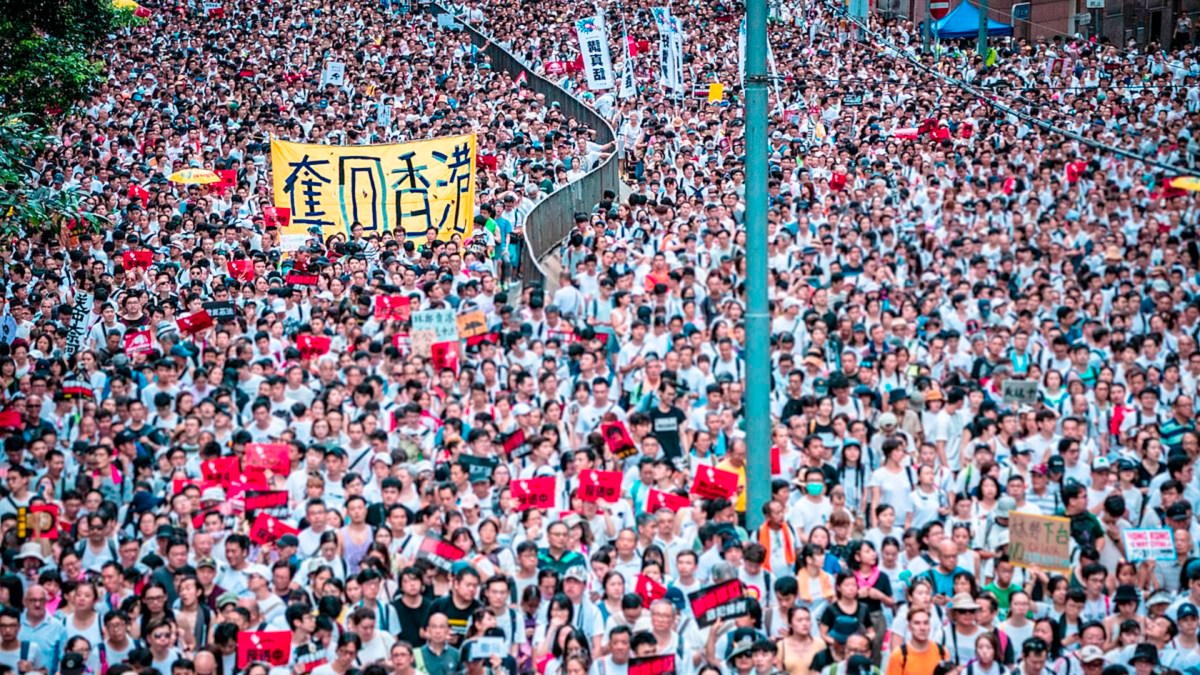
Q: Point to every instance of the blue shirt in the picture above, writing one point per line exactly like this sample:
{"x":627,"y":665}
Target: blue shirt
{"x":48,"y":636}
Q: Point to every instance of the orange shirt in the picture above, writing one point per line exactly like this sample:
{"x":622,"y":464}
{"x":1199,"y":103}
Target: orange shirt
{"x":918,"y":663}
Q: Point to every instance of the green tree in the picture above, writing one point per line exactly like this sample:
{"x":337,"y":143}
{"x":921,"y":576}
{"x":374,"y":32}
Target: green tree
{"x":26,"y":206}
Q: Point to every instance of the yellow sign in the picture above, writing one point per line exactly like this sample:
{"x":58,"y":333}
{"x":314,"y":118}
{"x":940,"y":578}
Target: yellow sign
{"x":716,"y":92}
{"x":472,"y":324}
{"x":417,"y":187}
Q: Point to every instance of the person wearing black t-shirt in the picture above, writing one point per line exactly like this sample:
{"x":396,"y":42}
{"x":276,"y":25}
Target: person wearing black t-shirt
{"x":412,"y":606}
{"x":668,"y":423}
{"x":460,"y":604}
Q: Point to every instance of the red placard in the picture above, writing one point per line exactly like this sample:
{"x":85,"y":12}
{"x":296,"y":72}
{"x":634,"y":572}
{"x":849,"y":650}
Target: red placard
{"x":252,"y":479}
{"x":138,"y":192}
{"x":228,"y":180}
{"x":180,"y":484}
{"x":534,"y":493}
{"x":441,"y":553}
{"x":649,"y":589}
{"x":214,"y":11}
{"x":138,"y":342}
{"x":270,"y":456}
{"x":138,"y":259}
{"x":393,"y":307}
{"x":11,"y":420}
{"x":142,"y":12}
{"x":301,"y":279}
{"x":596,"y":485}
{"x":269,"y":528}
{"x":242,"y":270}
{"x":277,"y":216}
{"x":512,"y":442}
{"x":312,"y":346}
{"x":710,"y":482}
{"x":556,"y":67}
{"x":493,"y":338}
{"x":652,"y":665}
{"x":259,"y":500}
{"x":271,"y":646}
{"x":723,"y":601}
{"x":444,"y":356}
{"x":222,"y":470}
{"x":47,"y":517}
{"x":196,"y":322}
{"x":776,"y":467}
{"x":403,"y":343}
{"x":656,"y":499}
{"x":618,"y":440}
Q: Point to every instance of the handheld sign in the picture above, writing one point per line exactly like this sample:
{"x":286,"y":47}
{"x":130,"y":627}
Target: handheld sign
{"x":1149,"y":544}
{"x":272,"y":456}
{"x":656,"y":499}
{"x":1040,"y":541}
{"x":393,"y":307}
{"x":271,"y":646}
{"x":138,"y":342}
{"x":312,"y":346}
{"x":618,"y":440}
{"x":597,"y":485}
{"x":652,"y":665}
{"x":221,"y":470}
{"x":268,"y":528}
{"x":194,"y":323}
{"x":649,"y":589}
{"x":441,"y":553}
{"x":1020,"y":392}
{"x":471,"y":324}
{"x":534,"y":493}
{"x":710,"y":482}
{"x":723,"y":601}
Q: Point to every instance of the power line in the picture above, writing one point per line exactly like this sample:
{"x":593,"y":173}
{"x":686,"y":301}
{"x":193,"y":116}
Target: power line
{"x":984,"y":98}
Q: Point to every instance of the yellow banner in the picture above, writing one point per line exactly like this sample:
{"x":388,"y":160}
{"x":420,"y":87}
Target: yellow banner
{"x":417,"y":187}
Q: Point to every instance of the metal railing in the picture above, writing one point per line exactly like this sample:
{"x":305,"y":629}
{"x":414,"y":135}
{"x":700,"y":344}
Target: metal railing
{"x":551,"y":221}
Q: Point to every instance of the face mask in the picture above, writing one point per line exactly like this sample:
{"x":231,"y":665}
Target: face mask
{"x":813,"y":489}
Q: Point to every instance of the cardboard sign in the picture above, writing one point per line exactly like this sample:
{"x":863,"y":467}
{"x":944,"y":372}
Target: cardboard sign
{"x":312,"y":346}
{"x":723,"y":601}
{"x":1149,"y":544}
{"x":444,"y":356}
{"x":534,"y":493}
{"x":269,"y":528}
{"x":597,"y":485}
{"x":195,"y":323}
{"x":618,"y":440}
{"x":656,"y":499}
{"x":709,"y":482}
{"x":1020,"y":392}
{"x":1041,"y":541}
{"x":393,"y":307}
{"x":277,"y":216}
{"x":479,"y":468}
{"x":271,"y":646}
{"x":472,"y":324}
{"x":652,"y":665}
{"x":301,"y":279}
{"x":222,"y":470}
{"x":138,"y":342}
{"x":431,"y":326}
{"x":649,"y":589}
{"x":137,"y":259}
{"x":266,"y":500}
{"x":222,"y":311}
{"x":441,"y":553}
{"x":269,"y":456}
{"x":242,"y":270}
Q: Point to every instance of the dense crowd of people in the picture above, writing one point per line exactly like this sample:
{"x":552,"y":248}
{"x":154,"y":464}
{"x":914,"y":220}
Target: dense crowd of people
{"x":570,"y":496}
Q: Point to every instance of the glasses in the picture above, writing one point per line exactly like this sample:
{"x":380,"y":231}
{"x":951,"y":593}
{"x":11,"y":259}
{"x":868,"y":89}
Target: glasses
{"x":155,"y":598}
{"x":161,"y":636}
{"x":854,"y":650}
{"x":9,"y":626}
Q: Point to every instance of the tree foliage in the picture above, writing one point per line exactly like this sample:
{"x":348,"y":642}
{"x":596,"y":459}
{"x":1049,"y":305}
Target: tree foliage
{"x":26,"y":206}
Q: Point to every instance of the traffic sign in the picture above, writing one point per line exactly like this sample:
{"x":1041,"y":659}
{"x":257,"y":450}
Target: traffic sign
{"x":1020,"y":11}
{"x":938,"y":9}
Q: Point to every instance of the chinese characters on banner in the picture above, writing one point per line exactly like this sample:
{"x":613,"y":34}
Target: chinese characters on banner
{"x":670,"y":52}
{"x":81,"y":310}
{"x":1041,"y":541}
{"x":419,"y":186}
{"x":723,"y":601}
{"x":431,"y":326}
{"x":597,"y":61}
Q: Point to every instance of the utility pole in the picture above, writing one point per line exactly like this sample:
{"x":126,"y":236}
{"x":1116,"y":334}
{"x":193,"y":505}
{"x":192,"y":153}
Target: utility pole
{"x":758,"y":322}
{"x":983,"y":28}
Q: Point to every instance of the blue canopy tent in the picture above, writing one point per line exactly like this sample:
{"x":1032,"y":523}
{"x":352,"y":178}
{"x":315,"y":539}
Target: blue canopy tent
{"x":963,"y":22}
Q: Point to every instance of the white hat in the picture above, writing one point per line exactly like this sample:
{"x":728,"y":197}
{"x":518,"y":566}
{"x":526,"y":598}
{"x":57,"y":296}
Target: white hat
{"x":259,"y":570}
{"x":31,"y":549}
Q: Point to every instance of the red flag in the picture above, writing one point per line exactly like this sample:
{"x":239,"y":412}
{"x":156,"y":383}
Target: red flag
{"x":927,"y":126}
{"x":312,"y":346}
{"x":10,"y":420}
{"x":221,"y":470}
{"x":656,"y":500}
{"x":942,"y":133}
{"x":444,"y":356}
{"x":142,"y":12}
{"x":534,"y":493}
{"x":138,"y":342}
{"x":576,"y":66}
{"x":138,"y":259}
{"x":272,"y":456}
{"x":195,"y":323}
{"x":1074,"y":170}
{"x":649,"y":589}
{"x":242,"y":270}
{"x":643,"y":46}
{"x":277,"y":216}
{"x":1167,"y":191}
{"x":271,"y":646}
{"x":137,"y":191}
{"x":393,"y":307}
{"x":710,"y":482}
{"x":269,"y":528}
{"x":596,"y":485}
